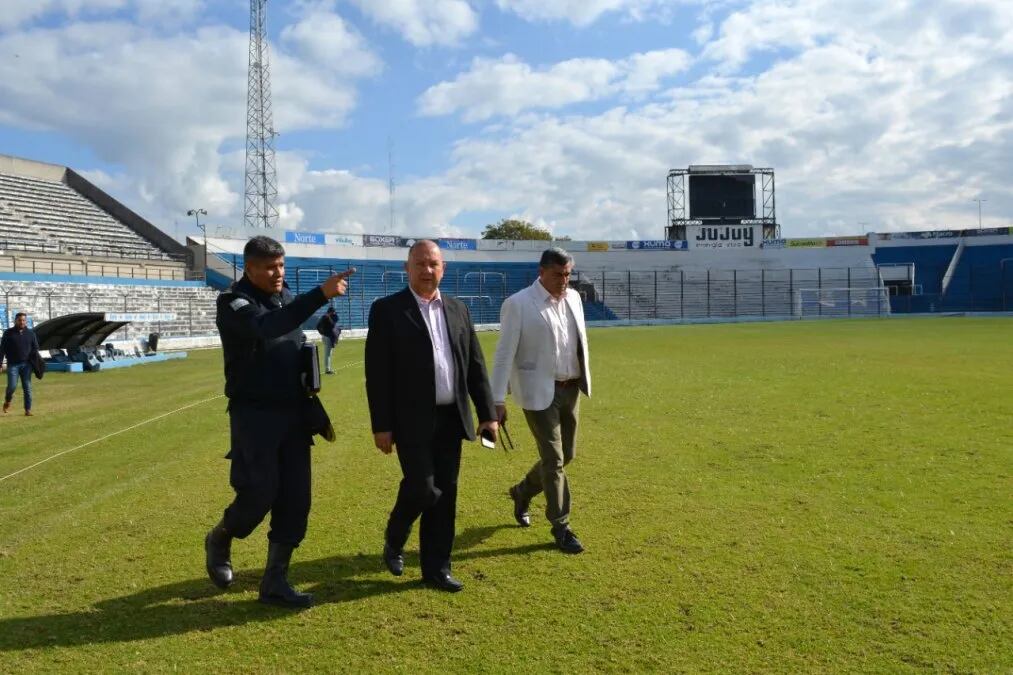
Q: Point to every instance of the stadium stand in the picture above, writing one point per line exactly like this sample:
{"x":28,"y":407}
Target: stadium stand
{"x":611,"y":290}
{"x":192,"y":302}
{"x":53,"y":215}
{"x":67,"y":247}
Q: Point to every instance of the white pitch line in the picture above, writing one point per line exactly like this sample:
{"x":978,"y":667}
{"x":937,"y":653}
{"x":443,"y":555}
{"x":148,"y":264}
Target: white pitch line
{"x":115,"y":433}
{"x":134,"y":426}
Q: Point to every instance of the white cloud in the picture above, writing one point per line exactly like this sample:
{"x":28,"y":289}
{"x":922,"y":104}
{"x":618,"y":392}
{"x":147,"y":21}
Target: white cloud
{"x":892,"y":114}
{"x":579,"y":12}
{"x":161,"y":106}
{"x":894,"y":119}
{"x":325,"y":39}
{"x":18,"y":12}
{"x":507,"y":86}
{"x":423,"y":22}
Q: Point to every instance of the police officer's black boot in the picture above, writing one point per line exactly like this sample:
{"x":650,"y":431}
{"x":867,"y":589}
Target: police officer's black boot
{"x":274,"y":588}
{"x":218,"y":555}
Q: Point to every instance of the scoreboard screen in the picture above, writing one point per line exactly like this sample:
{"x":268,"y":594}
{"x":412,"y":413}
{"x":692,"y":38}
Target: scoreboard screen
{"x":723,"y":197}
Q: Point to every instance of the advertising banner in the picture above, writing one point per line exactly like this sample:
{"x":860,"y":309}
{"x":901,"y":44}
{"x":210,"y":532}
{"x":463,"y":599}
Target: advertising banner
{"x":724,"y":236}
{"x":140,"y":317}
{"x":620,"y":245}
{"x":987,"y":232}
{"x":812,"y":242}
{"x":598,"y":246}
{"x":947,"y":234}
{"x":458,"y":244}
{"x":656,"y":245}
{"x":381,"y":240}
{"x":774,"y":243}
{"x":848,"y":241}
{"x":304,"y":238}
{"x":344,"y":239}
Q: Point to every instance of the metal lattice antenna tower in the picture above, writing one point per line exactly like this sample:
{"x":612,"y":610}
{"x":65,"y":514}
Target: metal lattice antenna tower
{"x":390,"y":175}
{"x":261,"y":175}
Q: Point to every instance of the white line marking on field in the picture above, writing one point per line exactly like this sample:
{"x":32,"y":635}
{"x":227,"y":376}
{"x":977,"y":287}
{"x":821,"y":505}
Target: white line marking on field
{"x":115,"y":433}
{"x":134,"y":426}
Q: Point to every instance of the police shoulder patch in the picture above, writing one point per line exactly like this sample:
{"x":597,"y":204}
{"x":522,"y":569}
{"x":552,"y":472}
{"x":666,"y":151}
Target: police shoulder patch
{"x":238,"y":304}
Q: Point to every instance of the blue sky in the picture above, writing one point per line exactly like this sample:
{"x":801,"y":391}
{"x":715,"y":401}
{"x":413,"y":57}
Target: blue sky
{"x":875,"y":116}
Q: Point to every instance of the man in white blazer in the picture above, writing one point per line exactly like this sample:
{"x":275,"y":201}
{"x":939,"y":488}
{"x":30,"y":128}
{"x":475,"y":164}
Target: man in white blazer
{"x":543,"y":356}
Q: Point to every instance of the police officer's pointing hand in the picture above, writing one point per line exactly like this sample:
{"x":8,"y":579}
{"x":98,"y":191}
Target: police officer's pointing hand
{"x":337,"y":284}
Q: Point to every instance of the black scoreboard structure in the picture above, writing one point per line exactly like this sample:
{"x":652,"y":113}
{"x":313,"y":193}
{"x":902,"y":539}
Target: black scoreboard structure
{"x":721,"y":194}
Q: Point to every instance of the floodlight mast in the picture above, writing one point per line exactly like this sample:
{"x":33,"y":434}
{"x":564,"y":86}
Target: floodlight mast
{"x":261,"y":175}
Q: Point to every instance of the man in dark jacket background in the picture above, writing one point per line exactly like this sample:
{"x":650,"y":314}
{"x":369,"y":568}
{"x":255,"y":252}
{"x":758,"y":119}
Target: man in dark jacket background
{"x":259,"y":321}
{"x":19,"y":346}
{"x":330,"y":333}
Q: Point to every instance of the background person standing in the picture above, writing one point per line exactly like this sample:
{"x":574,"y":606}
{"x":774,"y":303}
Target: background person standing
{"x":330,"y":333}
{"x":543,"y":355}
{"x":19,"y":346}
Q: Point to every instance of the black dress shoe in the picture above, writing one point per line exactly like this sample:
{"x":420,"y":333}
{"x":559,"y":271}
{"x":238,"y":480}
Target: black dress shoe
{"x":443,"y":582}
{"x":394,"y":560}
{"x":521,"y":514}
{"x":567,"y":541}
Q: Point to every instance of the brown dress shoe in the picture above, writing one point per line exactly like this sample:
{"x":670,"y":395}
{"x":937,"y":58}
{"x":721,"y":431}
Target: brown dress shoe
{"x":28,"y":413}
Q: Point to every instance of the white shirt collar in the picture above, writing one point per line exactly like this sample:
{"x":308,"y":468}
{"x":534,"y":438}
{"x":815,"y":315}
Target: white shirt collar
{"x":425,"y":303}
{"x":545,"y":295}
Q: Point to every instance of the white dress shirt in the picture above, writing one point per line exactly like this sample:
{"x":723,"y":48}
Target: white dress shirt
{"x":443,"y":356}
{"x":567,"y":338}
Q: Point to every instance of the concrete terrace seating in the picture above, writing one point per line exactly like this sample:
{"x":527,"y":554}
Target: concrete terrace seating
{"x":193,"y":304}
{"x":52,"y":213}
{"x":702,"y":294}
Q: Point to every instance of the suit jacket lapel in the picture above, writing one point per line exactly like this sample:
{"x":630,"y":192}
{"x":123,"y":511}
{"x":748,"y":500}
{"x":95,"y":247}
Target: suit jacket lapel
{"x":538,"y":302}
{"x":411,"y":310}
{"x":455,"y":329}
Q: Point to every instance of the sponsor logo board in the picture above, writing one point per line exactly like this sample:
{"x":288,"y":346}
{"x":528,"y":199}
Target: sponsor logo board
{"x":344,"y":239}
{"x":316,"y":238}
{"x":656,"y":245}
{"x":597,"y":246}
{"x":811,"y":242}
{"x":141,"y":317}
{"x":724,"y":236}
{"x":381,"y":240}
{"x":848,"y":241}
{"x":458,"y":244}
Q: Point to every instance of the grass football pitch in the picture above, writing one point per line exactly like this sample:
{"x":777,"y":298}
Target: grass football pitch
{"x":792,"y":497}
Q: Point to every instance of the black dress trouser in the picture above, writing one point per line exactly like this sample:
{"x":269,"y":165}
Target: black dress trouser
{"x":270,"y":472}
{"x":428,"y":491}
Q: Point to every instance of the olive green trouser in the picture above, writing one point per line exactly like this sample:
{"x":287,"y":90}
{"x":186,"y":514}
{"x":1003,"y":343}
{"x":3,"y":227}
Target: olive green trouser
{"x":555,"y":432}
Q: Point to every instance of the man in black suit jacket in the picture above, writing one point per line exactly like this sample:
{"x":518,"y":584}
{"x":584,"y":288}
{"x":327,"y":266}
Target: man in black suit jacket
{"x":423,"y":361}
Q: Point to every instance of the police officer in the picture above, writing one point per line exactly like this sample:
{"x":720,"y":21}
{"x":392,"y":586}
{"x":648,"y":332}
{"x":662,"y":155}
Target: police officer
{"x":259,"y":322}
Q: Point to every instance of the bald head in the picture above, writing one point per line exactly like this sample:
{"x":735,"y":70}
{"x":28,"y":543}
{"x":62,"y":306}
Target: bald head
{"x":425,"y":268}
{"x":424,"y":244}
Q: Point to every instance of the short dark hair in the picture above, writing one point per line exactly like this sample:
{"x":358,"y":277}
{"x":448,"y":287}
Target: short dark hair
{"x":555,"y":256}
{"x":19,"y":315}
{"x":262,"y":248}
{"x":331,"y":310}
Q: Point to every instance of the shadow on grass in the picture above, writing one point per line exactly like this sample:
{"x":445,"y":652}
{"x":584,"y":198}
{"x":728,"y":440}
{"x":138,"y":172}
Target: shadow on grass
{"x":196,"y":605}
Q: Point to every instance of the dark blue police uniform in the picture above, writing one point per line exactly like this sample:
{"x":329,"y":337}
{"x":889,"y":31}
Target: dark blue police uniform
{"x":268,"y":407}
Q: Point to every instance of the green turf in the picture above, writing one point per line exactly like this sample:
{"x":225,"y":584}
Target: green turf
{"x":811,"y":496}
